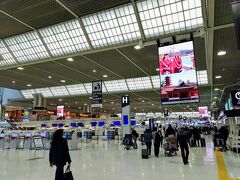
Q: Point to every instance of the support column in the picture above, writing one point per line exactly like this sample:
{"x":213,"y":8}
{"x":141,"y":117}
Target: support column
{"x":126,"y":118}
{"x":1,"y":108}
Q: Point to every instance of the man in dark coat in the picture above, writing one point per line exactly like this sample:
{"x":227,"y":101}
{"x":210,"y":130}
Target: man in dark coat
{"x":182,"y":140}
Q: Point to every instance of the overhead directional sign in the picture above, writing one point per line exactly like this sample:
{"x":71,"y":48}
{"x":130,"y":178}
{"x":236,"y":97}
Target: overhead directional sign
{"x":97,"y":94}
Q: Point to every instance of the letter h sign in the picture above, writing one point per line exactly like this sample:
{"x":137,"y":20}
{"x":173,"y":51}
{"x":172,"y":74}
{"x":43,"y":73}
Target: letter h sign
{"x":125,"y":101}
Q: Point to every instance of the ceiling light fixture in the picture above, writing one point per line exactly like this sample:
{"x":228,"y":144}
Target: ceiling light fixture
{"x":63,"y":81}
{"x":13,"y":82}
{"x":139,"y":46}
{"x":94,"y":70}
{"x":216,"y":89}
{"x":221,"y":53}
{"x":20,"y":68}
{"x":157,"y":69}
{"x":85,"y":104}
{"x":70,"y":59}
{"x":105,"y":76}
{"x":60,"y":100}
{"x":215,"y":97}
{"x":29,"y":85}
{"x":49,"y":77}
{"x":218,"y":77}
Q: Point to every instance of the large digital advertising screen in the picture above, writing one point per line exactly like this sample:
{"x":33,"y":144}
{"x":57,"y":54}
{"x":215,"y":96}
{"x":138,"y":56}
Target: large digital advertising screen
{"x":203,"y":113}
{"x":60,"y":111}
{"x":178,"y":74}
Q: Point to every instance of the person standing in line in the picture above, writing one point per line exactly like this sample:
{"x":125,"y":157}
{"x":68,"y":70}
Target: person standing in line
{"x":148,"y":140}
{"x":196,"y":136}
{"x":182,"y":140}
{"x":59,"y":154}
{"x":157,"y":141}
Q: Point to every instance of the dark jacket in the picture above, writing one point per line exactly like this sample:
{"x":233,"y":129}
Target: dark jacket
{"x":224,"y":132}
{"x":157,"y":139}
{"x":59,"y":153}
{"x":148,"y":137}
{"x":183,"y":136}
{"x":170,"y":131}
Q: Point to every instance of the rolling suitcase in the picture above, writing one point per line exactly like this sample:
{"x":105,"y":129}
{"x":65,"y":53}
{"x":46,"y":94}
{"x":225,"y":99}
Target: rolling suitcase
{"x":144,"y":154}
{"x":203,"y":143}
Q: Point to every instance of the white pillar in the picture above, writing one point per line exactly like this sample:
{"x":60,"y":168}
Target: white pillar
{"x":126,"y":118}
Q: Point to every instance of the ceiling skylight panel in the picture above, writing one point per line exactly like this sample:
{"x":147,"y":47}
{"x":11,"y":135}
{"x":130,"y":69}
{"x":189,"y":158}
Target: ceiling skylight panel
{"x":156,"y":81}
{"x":114,"y":26}
{"x":27,"y":47}
{"x":171,"y":14}
{"x":202,"y":77}
{"x":59,"y":91}
{"x":88,"y":87}
{"x":28,"y":94}
{"x":116,"y":85}
{"x":76,"y":89}
{"x":6,"y":58}
{"x":44,"y":91}
{"x":139,"y":83}
{"x":65,"y":38}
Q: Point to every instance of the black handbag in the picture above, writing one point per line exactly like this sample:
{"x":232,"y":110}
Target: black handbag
{"x":68,"y":174}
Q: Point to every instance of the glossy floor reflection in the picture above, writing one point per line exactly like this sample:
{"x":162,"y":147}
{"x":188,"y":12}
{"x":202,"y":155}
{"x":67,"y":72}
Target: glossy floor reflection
{"x":105,"y":161}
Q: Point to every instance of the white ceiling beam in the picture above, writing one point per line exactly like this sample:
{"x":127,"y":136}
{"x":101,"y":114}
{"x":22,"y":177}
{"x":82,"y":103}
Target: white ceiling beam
{"x":31,"y":27}
{"x":44,"y":43}
{"x":209,"y":39}
{"x":80,"y":22}
{"x":9,"y":50}
{"x":17,"y":19}
{"x":138,"y":20}
{"x":126,"y":57}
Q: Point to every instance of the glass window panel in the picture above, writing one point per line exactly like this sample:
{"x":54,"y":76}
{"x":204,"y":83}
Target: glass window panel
{"x":60,"y":40}
{"x":76,"y":89}
{"x":29,"y":44}
{"x":110,"y":29}
{"x":28,"y":94}
{"x":7,"y":58}
{"x":59,"y":91}
{"x":45,"y":92}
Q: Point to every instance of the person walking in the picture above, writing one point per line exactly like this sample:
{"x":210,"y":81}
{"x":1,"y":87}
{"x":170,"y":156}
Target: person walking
{"x":170,"y":131}
{"x":157,"y":142}
{"x":148,"y":140}
{"x":182,"y":140}
{"x":59,"y":154}
{"x":224,"y":133}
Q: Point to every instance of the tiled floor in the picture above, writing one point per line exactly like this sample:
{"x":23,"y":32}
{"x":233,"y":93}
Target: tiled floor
{"x":105,"y":161}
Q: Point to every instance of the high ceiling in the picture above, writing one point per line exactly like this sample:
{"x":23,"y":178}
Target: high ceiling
{"x":118,"y":61}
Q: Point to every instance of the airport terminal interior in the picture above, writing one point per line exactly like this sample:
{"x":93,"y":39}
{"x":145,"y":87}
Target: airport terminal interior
{"x":126,"y":87}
